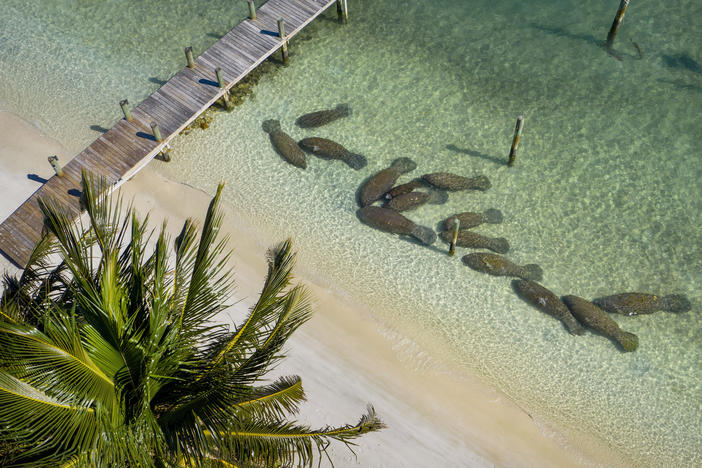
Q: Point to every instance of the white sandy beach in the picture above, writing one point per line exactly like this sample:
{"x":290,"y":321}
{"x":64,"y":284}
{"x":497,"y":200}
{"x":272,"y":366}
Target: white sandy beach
{"x":435,"y":417}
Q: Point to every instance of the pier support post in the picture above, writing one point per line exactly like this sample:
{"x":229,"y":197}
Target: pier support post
{"x":283,"y":37}
{"x":252,"y":10}
{"x":156,"y":131}
{"x":615,"y":24}
{"x":124,"y":104}
{"x":189,"y":57}
{"x":342,"y":11}
{"x":222,"y":84}
{"x":53,"y":160}
{"x":454,"y":238}
{"x":515,"y":140}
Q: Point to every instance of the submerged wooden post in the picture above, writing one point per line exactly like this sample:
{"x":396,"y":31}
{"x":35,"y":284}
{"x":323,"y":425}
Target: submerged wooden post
{"x":53,"y":160}
{"x":454,"y":238}
{"x":252,"y":10}
{"x":222,"y":84}
{"x":124,"y":104}
{"x":281,"y":34}
{"x":515,"y":140}
{"x":342,"y":11}
{"x":615,"y":24}
{"x":156,"y":131}
{"x":189,"y":57}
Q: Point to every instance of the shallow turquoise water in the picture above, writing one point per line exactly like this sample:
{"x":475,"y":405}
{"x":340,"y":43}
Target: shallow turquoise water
{"x":605,"y":195}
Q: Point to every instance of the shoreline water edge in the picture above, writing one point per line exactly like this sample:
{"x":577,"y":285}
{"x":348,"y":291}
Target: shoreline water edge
{"x":437,"y":415}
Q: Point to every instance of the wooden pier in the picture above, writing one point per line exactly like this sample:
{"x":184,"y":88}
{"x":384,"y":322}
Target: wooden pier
{"x":128,"y":146}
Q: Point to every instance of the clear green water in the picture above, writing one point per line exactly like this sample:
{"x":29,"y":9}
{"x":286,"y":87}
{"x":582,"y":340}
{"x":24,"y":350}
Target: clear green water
{"x":605,"y":195}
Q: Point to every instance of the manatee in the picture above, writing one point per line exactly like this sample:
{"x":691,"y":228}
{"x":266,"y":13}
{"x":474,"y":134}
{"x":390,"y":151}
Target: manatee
{"x":388,"y":220}
{"x":405,"y":188}
{"x":381,"y":182}
{"x":593,"y":317}
{"x":329,"y":149}
{"x":323,"y":117}
{"x":497,"y":265}
{"x":453,"y":182}
{"x":469,"y":220}
{"x":285,"y":145}
{"x":412,"y":200}
{"x":468,"y":238}
{"x":546,"y":301}
{"x":635,"y":303}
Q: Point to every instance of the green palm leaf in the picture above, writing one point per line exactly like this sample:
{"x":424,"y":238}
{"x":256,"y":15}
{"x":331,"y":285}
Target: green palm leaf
{"x":274,"y":401}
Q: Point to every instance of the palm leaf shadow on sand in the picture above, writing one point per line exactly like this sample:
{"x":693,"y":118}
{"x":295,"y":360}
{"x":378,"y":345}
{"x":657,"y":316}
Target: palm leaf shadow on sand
{"x":477,"y":154}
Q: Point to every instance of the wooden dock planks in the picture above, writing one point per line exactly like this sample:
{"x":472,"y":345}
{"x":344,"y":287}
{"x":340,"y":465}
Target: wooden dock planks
{"x":124,"y":149}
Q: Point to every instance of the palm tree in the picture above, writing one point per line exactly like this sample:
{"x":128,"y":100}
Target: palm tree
{"x":109,"y":355}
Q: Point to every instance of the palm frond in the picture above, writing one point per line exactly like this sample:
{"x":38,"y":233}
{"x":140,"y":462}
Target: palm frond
{"x":274,"y":401}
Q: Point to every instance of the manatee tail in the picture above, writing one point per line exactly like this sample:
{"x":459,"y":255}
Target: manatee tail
{"x":493,"y":216}
{"x":532,"y":272}
{"x":676,"y":303}
{"x":356,"y":161}
{"x":270,"y":126}
{"x":628,"y":341}
{"x":499,"y":245}
{"x":437,"y":197}
{"x":424,"y":234}
{"x":344,"y":109}
{"x":481,"y":183}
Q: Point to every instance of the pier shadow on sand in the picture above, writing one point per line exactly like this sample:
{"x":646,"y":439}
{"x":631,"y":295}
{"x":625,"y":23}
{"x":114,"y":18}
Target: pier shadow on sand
{"x":37,"y":178}
{"x":477,"y":154}
{"x":157,"y":81}
{"x":99,"y":128}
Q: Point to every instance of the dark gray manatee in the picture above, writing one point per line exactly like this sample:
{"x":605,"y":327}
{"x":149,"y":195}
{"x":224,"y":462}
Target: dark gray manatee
{"x":546,"y":301}
{"x":405,"y":188}
{"x":635,"y":303}
{"x":323,"y":117}
{"x":285,"y":145}
{"x":381,"y":182}
{"x":411,"y":200}
{"x":469,"y":219}
{"x":329,"y":149}
{"x":497,"y":265}
{"x":468,"y":238}
{"x":453,"y":182}
{"x":593,"y":317}
{"x":391,"y":221}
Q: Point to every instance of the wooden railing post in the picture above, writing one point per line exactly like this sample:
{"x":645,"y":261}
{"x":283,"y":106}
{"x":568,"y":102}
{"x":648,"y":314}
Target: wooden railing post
{"x":156,"y":131}
{"x":223,"y":85}
{"x":283,"y":37}
{"x":515,"y":140}
{"x":124,"y":104}
{"x":189,"y":57}
{"x":53,"y":160}
{"x":615,"y":24}
{"x":252,"y":10}
{"x":342,"y":11}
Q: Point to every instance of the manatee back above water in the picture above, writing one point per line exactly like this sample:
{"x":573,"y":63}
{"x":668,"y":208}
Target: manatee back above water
{"x":546,"y":301}
{"x":453,"y":182}
{"x":469,"y":219}
{"x":391,"y":221}
{"x":323,"y":117}
{"x":381,"y":182}
{"x":597,"y":319}
{"x":329,"y":149}
{"x":412,"y":200}
{"x":284,"y":144}
{"x":635,"y":303}
{"x":497,"y":265}
{"x":468,"y":238}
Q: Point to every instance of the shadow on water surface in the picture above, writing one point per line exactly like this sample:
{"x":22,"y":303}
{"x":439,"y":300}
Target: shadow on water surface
{"x":560,"y":32}
{"x":681,"y":85}
{"x":157,"y":81}
{"x":99,"y":128}
{"x":476,"y":154}
{"x":682,"y":61}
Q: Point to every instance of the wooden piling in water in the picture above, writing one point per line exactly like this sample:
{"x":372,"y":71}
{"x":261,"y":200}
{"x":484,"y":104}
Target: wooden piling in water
{"x":53,"y":160}
{"x":189,"y":57}
{"x":124,"y":104}
{"x":342,"y":11}
{"x":283,"y":37}
{"x":515,"y":140}
{"x":454,"y":238}
{"x":156,"y":131}
{"x":222,"y":84}
{"x":252,"y":10}
{"x":615,"y":24}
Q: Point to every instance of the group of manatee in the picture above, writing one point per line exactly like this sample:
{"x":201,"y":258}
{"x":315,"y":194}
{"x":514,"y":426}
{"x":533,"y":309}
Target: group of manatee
{"x":575,"y":312}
